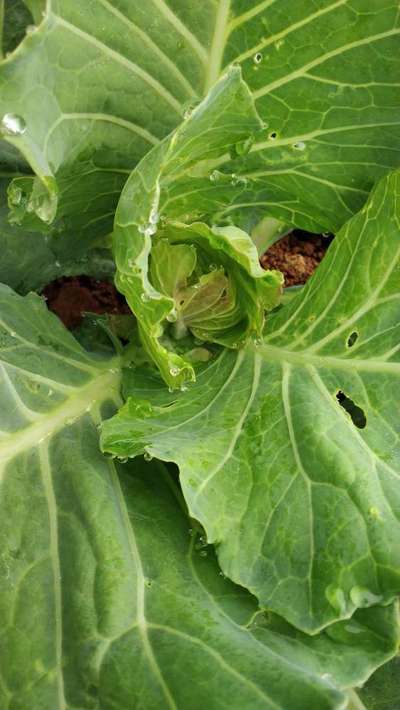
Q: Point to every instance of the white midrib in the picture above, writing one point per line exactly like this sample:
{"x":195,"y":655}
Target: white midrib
{"x":303,"y":358}
{"x":45,"y":469}
{"x":218,"y":44}
{"x":138,"y":572}
{"x":104,"y":386}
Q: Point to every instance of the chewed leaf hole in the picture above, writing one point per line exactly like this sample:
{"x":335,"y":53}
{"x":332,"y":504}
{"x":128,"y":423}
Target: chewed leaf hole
{"x":356,"y":413}
{"x":352,"y":339}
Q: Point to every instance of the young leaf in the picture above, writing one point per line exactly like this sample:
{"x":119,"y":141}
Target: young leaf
{"x":289,"y":452}
{"x":222,"y":302}
{"x":127,"y":74}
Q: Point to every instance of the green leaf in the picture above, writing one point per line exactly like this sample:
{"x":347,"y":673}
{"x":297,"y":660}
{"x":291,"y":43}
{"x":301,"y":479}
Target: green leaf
{"x":30,"y":260}
{"x":101,"y":572}
{"x":302,"y":501}
{"x":382,"y":691}
{"x":234,"y":296}
{"x":128,"y":72}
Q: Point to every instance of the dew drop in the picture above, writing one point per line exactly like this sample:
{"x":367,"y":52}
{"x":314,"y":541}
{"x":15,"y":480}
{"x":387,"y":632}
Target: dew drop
{"x":215,"y":176}
{"x":13,"y":125}
{"x":154,"y":217}
{"x":123,"y":459}
{"x":238,"y":180}
{"x":374,"y":513}
{"x":174,"y":371}
{"x":273,"y":136}
{"x":242,"y":148}
{"x":16,"y":196}
{"x":300,"y":145}
{"x":257,"y":59}
{"x":362,"y":597}
{"x":147,"y":457}
{"x":336,"y":598}
{"x":172,"y":317}
{"x":57,"y":264}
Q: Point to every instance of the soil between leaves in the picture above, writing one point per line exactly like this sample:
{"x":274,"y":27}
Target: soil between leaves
{"x":71,"y":297}
{"x":297,"y":255}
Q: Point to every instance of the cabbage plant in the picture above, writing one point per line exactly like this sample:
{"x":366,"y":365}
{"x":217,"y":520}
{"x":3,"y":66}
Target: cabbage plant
{"x":200,"y":501}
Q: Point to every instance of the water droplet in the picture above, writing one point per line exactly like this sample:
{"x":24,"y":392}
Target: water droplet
{"x":57,"y":264}
{"x":187,"y":112}
{"x":174,"y":371}
{"x":273,"y":136}
{"x":300,"y":145}
{"x":362,"y":597}
{"x":243,"y":147}
{"x":336,"y":598}
{"x":257,"y":59}
{"x":154,"y":217}
{"x":123,"y":459}
{"x":172,"y":317}
{"x":16,"y":196}
{"x":13,"y":125}
{"x":328,"y":678}
{"x":215,"y":176}
{"x":353,"y":629}
{"x":148,"y":230}
{"x":374,"y":513}
{"x":238,"y":180}
{"x":213,"y":267}
{"x":184,"y":388}
{"x":147,"y":457}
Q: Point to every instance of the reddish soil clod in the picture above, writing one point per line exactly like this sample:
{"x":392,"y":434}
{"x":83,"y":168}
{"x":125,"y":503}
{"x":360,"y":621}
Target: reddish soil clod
{"x":70,"y":297}
{"x":295,"y":256}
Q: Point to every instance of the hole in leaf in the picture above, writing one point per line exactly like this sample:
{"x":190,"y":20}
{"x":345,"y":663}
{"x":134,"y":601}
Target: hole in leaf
{"x":356,"y":413}
{"x":352,"y":339}
{"x":273,"y":135}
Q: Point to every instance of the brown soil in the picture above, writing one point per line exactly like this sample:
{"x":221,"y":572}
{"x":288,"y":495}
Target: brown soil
{"x":297,"y":255}
{"x":70,"y":297}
